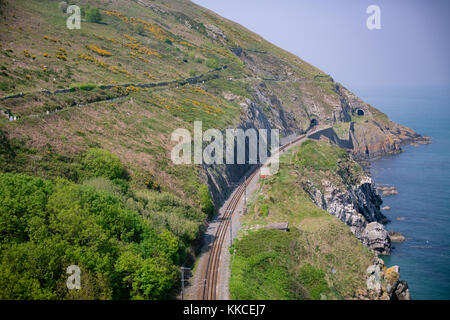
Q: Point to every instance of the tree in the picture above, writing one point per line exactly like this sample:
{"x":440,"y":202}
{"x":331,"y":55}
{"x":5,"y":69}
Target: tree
{"x":21,"y":198}
{"x":154,"y":279}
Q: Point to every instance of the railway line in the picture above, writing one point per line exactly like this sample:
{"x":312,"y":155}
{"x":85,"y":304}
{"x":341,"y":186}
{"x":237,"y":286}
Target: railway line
{"x":211,"y":272}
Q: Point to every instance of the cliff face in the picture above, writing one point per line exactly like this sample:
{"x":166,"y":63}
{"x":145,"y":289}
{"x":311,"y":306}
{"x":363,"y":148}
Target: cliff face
{"x":359,"y":207}
{"x":337,"y":184}
{"x":222,"y":178}
{"x":346,"y":192}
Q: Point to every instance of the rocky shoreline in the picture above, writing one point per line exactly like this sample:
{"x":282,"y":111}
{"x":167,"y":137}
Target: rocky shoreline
{"x":358,"y":206}
{"x":384,"y":283}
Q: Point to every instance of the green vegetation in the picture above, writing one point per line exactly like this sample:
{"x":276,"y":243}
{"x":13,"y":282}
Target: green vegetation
{"x":127,"y":245}
{"x":99,"y":162}
{"x":319,"y":155}
{"x":319,"y":159}
{"x":139,"y":29}
{"x":205,"y":200}
{"x":83,"y":86}
{"x":128,"y":216}
{"x":212,"y":63}
{"x":270,"y":266}
{"x":319,"y":258}
{"x":93,"y":15}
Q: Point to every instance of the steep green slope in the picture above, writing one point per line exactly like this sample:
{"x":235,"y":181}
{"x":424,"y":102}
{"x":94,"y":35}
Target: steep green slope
{"x":159,"y":44}
{"x":319,"y":258}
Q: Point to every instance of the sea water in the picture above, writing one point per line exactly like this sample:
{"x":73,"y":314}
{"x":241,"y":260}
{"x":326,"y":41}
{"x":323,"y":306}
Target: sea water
{"x":421,"y":175}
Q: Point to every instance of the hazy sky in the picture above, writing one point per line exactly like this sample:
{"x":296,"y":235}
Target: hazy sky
{"x":411,"y":48}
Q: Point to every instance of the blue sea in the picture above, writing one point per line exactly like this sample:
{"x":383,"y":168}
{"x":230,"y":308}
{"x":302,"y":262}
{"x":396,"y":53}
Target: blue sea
{"x":421,"y":210}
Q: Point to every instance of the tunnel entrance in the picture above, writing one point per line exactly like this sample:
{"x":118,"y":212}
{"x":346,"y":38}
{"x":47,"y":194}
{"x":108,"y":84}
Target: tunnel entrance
{"x":360,"y":112}
{"x":314,"y":122}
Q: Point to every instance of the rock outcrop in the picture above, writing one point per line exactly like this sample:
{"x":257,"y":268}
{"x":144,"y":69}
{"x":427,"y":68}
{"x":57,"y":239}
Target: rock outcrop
{"x":384,"y":283}
{"x":396,"y":236}
{"x":377,"y":238}
{"x":358,"y":206}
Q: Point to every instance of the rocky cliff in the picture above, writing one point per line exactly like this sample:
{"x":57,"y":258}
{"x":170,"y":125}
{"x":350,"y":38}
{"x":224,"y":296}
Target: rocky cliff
{"x":384,"y":283}
{"x":337,"y":184}
{"x":356,"y":205}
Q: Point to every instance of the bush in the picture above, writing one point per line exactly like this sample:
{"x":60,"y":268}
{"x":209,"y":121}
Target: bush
{"x":93,"y":15}
{"x":212,"y":63}
{"x":83,"y":86}
{"x":264,"y":210}
{"x":148,"y":279}
{"x":206,"y":200}
{"x":139,"y":29}
{"x":100,"y":162}
{"x":165,"y":211}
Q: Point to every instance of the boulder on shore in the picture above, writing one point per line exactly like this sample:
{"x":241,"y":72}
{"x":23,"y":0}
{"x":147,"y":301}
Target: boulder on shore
{"x":377,"y":238}
{"x":391,"y":277}
{"x":402,"y":291}
{"x":396,"y":236}
{"x":383,"y":283}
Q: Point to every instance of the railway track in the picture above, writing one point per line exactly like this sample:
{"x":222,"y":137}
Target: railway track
{"x":211,"y":273}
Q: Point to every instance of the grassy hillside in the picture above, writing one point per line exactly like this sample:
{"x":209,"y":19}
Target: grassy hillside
{"x":86,"y":118}
{"x":125,"y":82}
{"x":319,"y":258}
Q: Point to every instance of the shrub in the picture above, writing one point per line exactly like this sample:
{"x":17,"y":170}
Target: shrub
{"x":98,"y":50}
{"x":139,"y":29}
{"x":192,"y":55}
{"x":83,"y":86}
{"x":104,"y":184}
{"x":93,"y":15}
{"x":152,"y":184}
{"x":148,"y":279}
{"x":212,"y":63}
{"x":165,"y":211}
{"x":100,"y":162}
{"x":264,"y":210}
{"x":206,"y":200}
